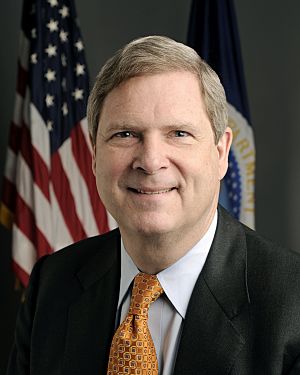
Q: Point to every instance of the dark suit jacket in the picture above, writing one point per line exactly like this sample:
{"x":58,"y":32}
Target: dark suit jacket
{"x":243,"y":317}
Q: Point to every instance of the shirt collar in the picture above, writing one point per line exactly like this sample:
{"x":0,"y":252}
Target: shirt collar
{"x":128,"y":272}
{"x":179,"y":279}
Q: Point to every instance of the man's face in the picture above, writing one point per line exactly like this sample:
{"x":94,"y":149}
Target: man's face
{"x":156,"y":163}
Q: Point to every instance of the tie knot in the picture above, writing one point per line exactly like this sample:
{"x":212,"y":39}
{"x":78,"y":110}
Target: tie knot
{"x":146,"y":289}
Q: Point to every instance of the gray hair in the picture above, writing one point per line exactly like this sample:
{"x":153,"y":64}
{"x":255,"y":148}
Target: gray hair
{"x":153,"y":55}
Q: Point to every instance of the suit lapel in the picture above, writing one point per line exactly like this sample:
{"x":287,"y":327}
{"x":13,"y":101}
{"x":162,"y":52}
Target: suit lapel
{"x":212,"y":334}
{"x":91,"y":318}
{"x":211,"y":337}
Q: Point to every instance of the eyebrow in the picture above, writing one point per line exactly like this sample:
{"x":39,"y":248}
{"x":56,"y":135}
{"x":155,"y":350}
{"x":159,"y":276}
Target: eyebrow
{"x":120,"y":126}
{"x":176,"y":125}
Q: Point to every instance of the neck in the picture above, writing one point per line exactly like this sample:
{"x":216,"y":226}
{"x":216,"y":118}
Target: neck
{"x":153,"y":253}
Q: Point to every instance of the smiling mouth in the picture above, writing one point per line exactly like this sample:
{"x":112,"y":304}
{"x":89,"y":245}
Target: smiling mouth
{"x":151,"y":192}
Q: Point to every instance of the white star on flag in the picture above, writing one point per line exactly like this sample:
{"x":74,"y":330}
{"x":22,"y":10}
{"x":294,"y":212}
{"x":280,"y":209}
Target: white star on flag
{"x":53,"y":3}
{"x":79,"y":45}
{"x":33,"y":58}
{"x":52,"y":25}
{"x":63,"y":36}
{"x":49,"y":126}
{"x":79,"y":69}
{"x":33,"y":33}
{"x":49,"y":100}
{"x":64,"y":11}
{"x":65,"y":109}
{"x":50,"y":75}
{"x":78,"y":94}
{"x":51,"y":50}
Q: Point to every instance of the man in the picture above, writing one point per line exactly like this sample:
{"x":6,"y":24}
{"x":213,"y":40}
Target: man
{"x":227,"y":301}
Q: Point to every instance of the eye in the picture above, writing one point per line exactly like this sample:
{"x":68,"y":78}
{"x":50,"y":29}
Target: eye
{"x":181,"y":133}
{"x":124,"y":134}
{"x":123,"y":138}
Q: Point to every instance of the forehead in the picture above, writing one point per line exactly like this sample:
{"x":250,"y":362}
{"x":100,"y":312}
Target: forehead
{"x":155,"y":97}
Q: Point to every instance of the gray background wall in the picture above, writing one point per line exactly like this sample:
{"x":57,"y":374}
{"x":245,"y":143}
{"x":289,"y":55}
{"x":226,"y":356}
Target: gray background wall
{"x":269,"y":33}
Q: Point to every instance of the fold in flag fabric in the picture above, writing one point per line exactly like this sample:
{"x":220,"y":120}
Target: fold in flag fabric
{"x":49,"y":196}
{"x":213,"y":33}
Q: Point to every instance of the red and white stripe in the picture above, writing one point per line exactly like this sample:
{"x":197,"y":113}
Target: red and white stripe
{"x":52,"y":199}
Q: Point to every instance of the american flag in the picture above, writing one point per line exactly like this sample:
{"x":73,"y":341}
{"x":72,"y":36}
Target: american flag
{"x":49,"y":197}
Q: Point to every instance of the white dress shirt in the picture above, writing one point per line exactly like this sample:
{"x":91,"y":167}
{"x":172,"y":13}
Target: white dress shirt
{"x":167,"y":313}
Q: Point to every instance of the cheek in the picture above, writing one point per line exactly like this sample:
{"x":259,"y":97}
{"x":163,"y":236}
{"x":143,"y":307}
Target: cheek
{"x":110,"y":166}
{"x":203,"y":172}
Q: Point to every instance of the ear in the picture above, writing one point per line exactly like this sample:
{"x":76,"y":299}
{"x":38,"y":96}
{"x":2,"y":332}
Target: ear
{"x":223,"y":148}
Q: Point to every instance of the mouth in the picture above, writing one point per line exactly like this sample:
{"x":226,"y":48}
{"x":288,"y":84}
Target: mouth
{"x":151,"y":191}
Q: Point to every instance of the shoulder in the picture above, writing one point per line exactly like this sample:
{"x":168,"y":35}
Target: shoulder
{"x":273,"y":274}
{"x":269,"y":266}
{"x":259,"y":248}
{"x":263,"y":252}
{"x":87,"y":248}
{"x":93,"y":253}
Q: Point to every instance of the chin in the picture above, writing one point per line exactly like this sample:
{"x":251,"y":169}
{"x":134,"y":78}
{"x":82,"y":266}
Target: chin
{"x":148,"y":227}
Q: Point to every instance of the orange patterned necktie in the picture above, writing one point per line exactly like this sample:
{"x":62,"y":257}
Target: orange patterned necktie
{"x":132,"y":350}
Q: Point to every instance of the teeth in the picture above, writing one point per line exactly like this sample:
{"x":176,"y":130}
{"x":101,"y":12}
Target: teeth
{"x":154,"y":192}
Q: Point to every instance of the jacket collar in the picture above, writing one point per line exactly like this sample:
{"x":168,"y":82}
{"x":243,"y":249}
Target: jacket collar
{"x":91,"y":318}
{"x":211,"y":336}
{"x":104,"y":259}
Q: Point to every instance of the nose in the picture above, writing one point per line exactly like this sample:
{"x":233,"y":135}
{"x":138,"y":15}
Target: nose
{"x":151,"y":155}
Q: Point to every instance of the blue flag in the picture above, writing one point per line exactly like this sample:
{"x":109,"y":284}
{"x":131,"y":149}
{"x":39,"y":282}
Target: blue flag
{"x":213,"y":33}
